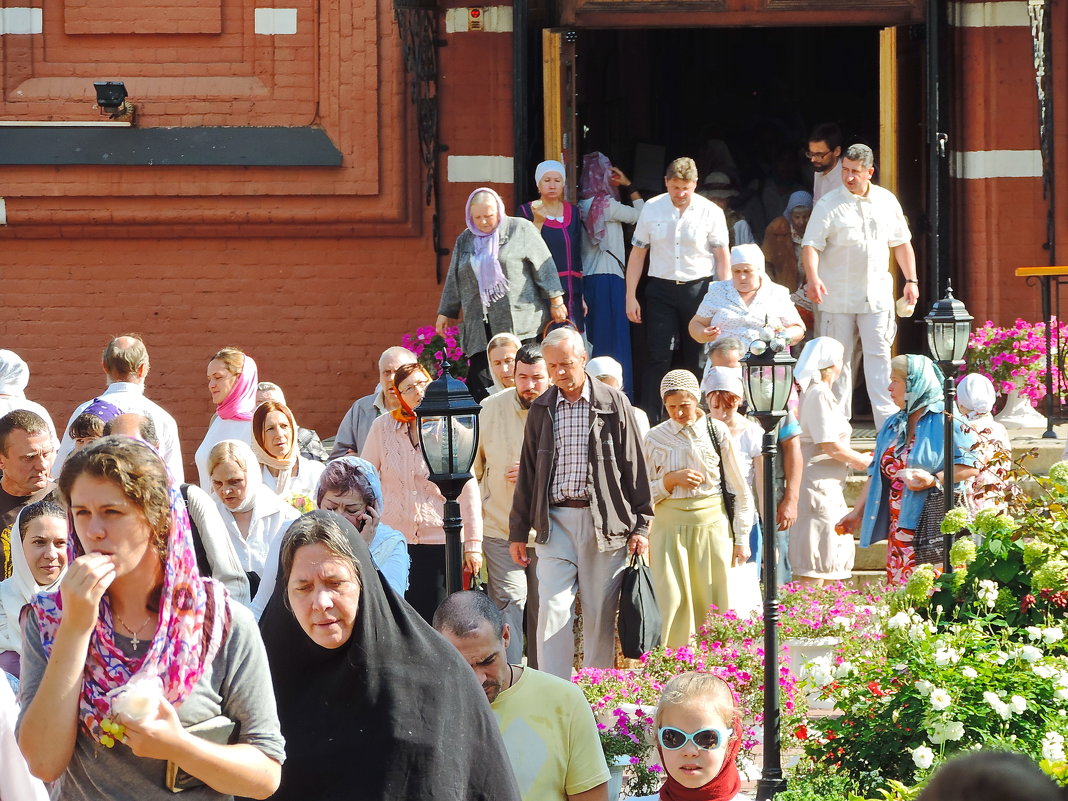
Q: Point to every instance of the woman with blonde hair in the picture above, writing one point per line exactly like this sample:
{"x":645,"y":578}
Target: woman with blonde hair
{"x":254,"y":516}
{"x":232,"y":381}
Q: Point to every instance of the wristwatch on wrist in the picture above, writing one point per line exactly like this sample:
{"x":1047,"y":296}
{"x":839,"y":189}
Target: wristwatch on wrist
{"x":912,"y":281}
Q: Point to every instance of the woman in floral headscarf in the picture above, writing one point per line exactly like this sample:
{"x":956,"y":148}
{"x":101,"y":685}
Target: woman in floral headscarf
{"x":908,"y":464}
{"x":502,"y":279}
{"x":604,"y":257}
{"x":133,"y":612}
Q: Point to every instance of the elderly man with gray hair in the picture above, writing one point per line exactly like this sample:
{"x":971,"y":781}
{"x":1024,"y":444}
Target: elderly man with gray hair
{"x":583,"y":486}
{"x":849,"y":237}
{"x":352,"y":433}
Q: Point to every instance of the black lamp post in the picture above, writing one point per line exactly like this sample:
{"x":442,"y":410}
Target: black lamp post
{"x":768,"y":375}
{"x":949,"y":326}
{"x":448,"y":435}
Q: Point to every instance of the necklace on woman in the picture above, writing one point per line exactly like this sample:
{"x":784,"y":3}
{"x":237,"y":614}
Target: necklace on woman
{"x":134,"y":639}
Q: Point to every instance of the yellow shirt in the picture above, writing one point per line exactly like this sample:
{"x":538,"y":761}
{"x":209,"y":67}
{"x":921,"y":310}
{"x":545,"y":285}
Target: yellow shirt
{"x":551,"y":737}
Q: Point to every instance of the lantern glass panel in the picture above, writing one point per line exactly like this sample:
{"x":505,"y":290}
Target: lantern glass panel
{"x":960,"y":340}
{"x":434,"y":435}
{"x":758,"y":388}
{"x":465,"y":441}
{"x":784,"y":374}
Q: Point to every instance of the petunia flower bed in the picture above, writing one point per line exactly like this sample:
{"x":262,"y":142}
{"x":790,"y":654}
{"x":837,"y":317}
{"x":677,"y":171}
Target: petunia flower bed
{"x":623,"y":701}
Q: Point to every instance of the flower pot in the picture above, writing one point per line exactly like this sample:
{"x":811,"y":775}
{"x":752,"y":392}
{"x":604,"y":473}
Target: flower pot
{"x":804,"y":650}
{"x":615,"y":777}
{"x":1019,"y":413}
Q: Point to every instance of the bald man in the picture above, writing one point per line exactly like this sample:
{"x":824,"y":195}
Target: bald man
{"x":126,"y":366}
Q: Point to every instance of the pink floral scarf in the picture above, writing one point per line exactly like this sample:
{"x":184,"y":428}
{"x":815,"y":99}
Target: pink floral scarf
{"x":193,"y":623}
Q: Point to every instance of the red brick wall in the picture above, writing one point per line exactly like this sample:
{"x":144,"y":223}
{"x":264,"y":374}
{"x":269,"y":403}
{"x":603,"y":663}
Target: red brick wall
{"x":313,"y":313}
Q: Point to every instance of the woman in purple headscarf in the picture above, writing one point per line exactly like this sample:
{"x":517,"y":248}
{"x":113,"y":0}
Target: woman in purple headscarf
{"x":502,"y":279}
{"x":561,"y":228}
{"x":604,"y":258}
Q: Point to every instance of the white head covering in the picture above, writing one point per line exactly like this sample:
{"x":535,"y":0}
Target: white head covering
{"x":977,"y":393}
{"x":18,"y":591}
{"x":723,"y":378}
{"x":253,"y":474}
{"x":681,"y":381}
{"x":748,"y":254}
{"x":818,"y":353}
{"x":605,"y":365}
{"x":549,"y":166}
{"x":14,"y":374}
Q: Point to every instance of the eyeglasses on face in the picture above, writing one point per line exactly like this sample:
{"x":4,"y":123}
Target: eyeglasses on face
{"x":810,"y":154}
{"x":418,"y":386}
{"x":708,"y":739}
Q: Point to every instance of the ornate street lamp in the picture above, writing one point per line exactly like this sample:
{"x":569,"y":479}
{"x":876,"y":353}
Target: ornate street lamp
{"x":949,"y":327}
{"x":768,"y":375}
{"x":448,"y":435}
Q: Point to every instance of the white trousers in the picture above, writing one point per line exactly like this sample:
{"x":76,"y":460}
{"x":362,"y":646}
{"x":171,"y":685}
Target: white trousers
{"x":514,"y":590}
{"x":569,"y":564}
{"x":871,"y":334}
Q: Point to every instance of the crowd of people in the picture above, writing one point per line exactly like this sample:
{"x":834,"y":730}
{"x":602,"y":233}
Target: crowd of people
{"x":267,"y":628}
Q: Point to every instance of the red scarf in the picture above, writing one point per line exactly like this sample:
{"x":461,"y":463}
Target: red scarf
{"x":723,"y":787}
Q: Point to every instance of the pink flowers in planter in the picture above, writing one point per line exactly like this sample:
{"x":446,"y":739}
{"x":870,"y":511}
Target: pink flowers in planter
{"x":1015,"y":358}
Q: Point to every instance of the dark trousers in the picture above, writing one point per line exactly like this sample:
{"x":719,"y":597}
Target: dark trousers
{"x":666,"y":313}
{"x":426,"y":579}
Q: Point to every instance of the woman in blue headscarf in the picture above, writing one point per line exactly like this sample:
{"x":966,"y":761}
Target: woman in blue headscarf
{"x":909,"y":463}
{"x":350,"y":486}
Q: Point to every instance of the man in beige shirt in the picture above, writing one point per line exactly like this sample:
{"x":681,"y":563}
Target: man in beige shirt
{"x":846,"y":253}
{"x":512,"y":587}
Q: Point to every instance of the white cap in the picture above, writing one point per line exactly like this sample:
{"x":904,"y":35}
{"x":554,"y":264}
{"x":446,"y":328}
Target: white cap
{"x":605,"y":365}
{"x":725,"y":378}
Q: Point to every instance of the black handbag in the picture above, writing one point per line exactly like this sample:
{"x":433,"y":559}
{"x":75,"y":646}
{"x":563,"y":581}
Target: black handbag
{"x":728,"y":496}
{"x":928,"y":541}
{"x":638,"y":622}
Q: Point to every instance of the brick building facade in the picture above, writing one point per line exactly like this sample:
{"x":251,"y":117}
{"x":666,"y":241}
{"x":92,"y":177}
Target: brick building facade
{"x":271,"y":194}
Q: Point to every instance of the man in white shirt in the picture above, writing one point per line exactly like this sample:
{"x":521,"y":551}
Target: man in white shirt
{"x":825,"y":156}
{"x":686,"y":238}
{"x":125,"y":363}
{"x":846,"y":247}
{"x":352,"y":432}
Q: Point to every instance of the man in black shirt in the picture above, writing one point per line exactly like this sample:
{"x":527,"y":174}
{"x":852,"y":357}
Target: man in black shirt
{"x":27,"y":452}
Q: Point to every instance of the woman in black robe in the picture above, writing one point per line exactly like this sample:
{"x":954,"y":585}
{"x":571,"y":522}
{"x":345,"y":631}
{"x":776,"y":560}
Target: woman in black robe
{"x":386,"y":709}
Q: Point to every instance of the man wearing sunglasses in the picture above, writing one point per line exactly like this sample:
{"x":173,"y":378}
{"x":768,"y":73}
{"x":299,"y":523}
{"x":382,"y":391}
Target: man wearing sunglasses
{"x":546,"y":724}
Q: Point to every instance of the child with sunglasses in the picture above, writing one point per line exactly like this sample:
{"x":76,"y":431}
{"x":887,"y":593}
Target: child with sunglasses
{"x":698,"y":734}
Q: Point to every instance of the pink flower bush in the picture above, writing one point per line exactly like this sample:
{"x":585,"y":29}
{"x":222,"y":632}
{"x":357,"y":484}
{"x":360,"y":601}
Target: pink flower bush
{"x":432,"y":349}
{"x":1016,"y":357}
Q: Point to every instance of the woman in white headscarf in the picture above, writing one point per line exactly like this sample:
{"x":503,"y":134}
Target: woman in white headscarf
{"x":14,"y":378}
{"x":255,"y":516}
{"x":975,"y":402}
{"x":560,"y":225}
{"x":746,"y":304}
{"x":38,"y":564}
{"x":692,"y":464}
{"x":817,"y":552}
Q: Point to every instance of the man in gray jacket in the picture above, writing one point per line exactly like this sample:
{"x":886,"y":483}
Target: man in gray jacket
{"x":352,"y":432}
{"x":583,"y":487}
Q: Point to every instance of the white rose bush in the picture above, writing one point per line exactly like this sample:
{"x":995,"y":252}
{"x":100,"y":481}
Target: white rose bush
{"x":976,"y":658}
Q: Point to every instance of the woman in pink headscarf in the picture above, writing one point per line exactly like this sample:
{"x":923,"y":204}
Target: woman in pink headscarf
{"x":232,"y":380}
{"x":502,"y":279}
{"x":604,"y":256}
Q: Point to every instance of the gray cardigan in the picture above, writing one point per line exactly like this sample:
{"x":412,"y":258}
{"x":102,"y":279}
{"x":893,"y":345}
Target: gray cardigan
{"x":532,"y":280}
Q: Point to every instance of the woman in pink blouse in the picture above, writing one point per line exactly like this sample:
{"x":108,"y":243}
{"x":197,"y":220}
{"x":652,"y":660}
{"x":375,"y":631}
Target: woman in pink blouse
{"x":412,"y":503}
